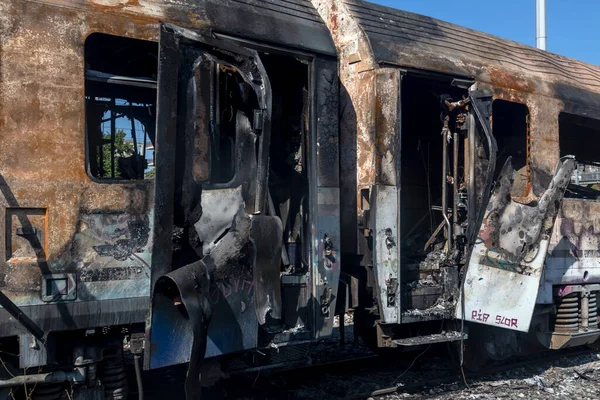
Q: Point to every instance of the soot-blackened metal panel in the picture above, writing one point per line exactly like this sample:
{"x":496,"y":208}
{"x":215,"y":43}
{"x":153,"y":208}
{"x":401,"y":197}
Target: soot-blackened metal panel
{"x":267,"y":241}
{"x":327,"y":115}
{"x":326,"y":258}
{"x":238,"y":252}
{"x":325,"y":193}
{"x":165,"y":153}
{"x":233,"y":326}
{"x":294,"y":23}
{"x":504,"y":271}
{"x":78,"y":315}
{"x":219,"y":207}
{"x":108,"y":258}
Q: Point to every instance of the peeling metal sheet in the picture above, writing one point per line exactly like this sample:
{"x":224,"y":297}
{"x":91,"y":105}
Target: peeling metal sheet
{"x":506,"y":264}
{"x":219,"y":207}
{"x":231,"y":296}
{"x":267,"y":239}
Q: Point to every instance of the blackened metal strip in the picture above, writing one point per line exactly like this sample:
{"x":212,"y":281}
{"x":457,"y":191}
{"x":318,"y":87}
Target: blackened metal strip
{"x":482,"y":103}
{"x":21,"y":317}
{"x":166,"y":132}
{"x":165,"y":156}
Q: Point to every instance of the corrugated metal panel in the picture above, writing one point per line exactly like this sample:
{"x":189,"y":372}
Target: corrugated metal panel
{"x":396,"y":35}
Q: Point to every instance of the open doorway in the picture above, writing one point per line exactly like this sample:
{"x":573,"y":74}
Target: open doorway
{"x":288,"y":180}
{"x":423,"y":243}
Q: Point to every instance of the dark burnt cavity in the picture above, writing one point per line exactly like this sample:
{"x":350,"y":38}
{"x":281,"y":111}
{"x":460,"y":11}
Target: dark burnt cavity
{"x":580,"y":137}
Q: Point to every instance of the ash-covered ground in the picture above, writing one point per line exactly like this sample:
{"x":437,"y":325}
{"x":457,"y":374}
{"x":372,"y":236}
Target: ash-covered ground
{"x":430,"y":373}
{"x":576,"y":377}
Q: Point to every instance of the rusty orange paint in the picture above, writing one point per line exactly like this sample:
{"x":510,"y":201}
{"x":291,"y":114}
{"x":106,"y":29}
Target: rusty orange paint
{"x":504,"y":79}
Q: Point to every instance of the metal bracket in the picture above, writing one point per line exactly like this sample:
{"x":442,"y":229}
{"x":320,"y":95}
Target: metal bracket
{"x":57,"y":287}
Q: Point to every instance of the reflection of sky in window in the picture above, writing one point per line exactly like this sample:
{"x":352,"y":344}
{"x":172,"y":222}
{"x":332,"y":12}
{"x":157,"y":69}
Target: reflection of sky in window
{"x":124,"y":123}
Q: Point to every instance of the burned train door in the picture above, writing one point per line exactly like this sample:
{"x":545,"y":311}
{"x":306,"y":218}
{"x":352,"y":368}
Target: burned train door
{"x":219,"y":243}
{"x":211,"y":216}
{"x":509,"y":229}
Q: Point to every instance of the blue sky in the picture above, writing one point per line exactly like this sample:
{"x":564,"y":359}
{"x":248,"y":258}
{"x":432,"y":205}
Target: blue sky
{"x":572,"y":24}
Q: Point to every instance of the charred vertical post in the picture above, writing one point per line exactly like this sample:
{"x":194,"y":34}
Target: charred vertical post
{"x":455,"y":181}
{"x":471,"y":188}
{"x":112,"y":137}
{"x":445,"y":135}
{"x":165,"y":145}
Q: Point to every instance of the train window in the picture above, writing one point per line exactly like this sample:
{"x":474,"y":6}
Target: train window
{"x":120,"y":98}
{"x":231,"y":91}
{"x":580,"y":137}
{"x":510,"y":123}
{"x":224,"y":103}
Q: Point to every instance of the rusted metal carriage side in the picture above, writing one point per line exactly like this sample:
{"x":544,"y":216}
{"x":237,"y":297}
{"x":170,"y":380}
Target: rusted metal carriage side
{"x":83,"y":249}
{"x":45,"y":183}
{"x":83,"y":252}
{"x":43,"y":123}
{"x":374,"y":41}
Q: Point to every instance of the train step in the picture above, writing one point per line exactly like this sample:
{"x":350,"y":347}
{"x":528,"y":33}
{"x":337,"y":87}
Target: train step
{"x":449,"y":336}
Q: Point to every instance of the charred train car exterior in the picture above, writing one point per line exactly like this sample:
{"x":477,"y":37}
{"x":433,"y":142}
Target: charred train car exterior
{"x":203,"y":178}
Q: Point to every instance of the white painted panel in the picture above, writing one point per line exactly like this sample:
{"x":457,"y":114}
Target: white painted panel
{"x":495,"y":294}
{"x":386,"y":254}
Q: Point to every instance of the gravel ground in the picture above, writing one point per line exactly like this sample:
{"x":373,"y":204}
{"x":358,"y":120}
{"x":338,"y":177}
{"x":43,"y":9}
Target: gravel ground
{"x":569,"y":378}
{"x":576,"y":377}
{"x":572,"y":376}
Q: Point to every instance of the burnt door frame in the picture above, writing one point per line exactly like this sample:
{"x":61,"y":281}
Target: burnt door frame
{"x":323,"y":162}
{"x":171,"y":38}
{"x":178,"y":190}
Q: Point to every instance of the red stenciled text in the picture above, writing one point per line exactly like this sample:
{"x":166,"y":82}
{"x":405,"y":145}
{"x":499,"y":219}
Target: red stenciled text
{"x":505,"y":321}
{"x":479,"y":316}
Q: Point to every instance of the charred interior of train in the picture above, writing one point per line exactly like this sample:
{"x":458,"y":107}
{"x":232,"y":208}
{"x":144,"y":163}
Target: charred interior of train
{"x":430,"y":149}
{"x":196,"y":187}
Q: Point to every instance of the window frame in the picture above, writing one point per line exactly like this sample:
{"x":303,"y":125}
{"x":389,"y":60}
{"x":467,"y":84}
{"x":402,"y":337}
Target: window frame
{"x":92,"y":75}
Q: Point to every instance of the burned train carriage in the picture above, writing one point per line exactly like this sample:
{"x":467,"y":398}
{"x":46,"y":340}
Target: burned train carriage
{"x":206,"y":178}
